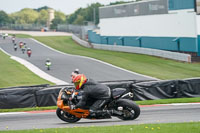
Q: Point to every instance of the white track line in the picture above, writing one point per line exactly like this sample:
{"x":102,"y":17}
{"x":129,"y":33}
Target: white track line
{"x":13,"y":113}
{"x":5,"y":52}
{"x":96,"y":60}
{"x":39,"y":72}
{"x":179,"y":104}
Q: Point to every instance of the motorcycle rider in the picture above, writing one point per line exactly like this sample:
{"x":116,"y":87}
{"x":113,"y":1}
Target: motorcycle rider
{"x":94,"y":94}
{"x":48,"y":63}
{"x":29,"y":52}
{"x":15,"y":46}
{"x":23,"y":49}
{"x":13,"y":38}
{"x":76,"y":71}
{"x":21,"y":44}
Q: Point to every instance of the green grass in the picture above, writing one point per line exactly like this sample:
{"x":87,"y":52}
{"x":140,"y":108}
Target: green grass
{"x":192,"y":127}
{"x":146,"y":102}
{"x":168,"y":101}
{"x":23,"y":36}
{"x":14,"y":74}
{"x":28,"y":109}
{"x":143,"y":64}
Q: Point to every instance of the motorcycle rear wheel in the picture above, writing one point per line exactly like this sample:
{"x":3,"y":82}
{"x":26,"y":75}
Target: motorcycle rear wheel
{"x":65,"y":116}
{"x":130,"y":109}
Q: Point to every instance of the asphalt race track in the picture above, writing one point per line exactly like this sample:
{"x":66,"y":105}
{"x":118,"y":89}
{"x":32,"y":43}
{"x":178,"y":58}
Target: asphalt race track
{"x":154,"y":114}
{"x":64,"y":64}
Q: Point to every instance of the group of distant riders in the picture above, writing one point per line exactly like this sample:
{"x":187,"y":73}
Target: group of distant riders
{"x":24,"y":48}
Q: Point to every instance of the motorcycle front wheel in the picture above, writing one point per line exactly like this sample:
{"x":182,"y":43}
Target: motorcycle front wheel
{"x":65,"y":116}
{"x":130,"y":109}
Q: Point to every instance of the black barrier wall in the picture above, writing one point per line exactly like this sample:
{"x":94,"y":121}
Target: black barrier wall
{"x":45,"y":95}
{"x":167,"y":89}
{"x":29,"y":96}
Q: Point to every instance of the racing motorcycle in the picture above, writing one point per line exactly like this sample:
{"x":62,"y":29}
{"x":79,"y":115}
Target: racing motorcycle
{"x":29,"y":52}
{"x":48,"y":64}
{"x":120,"y":105}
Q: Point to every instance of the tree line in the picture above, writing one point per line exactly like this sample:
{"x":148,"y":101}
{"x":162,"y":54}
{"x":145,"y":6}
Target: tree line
{"x":31,"y":16}
{"x":39,"y":16}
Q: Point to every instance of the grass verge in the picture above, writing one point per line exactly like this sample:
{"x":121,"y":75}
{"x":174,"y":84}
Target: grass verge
{"x":143,"y":64}
{"x":28,"y":109}
{"x":192,"y":127}
{"x":169,"y":101}
{"x":23,"y":36}
{"x":14,"y":74}
{"x":146,"y":102}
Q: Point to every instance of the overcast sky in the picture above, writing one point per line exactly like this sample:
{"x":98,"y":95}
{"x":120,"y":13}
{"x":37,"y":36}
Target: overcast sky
{"x":66,"y":6}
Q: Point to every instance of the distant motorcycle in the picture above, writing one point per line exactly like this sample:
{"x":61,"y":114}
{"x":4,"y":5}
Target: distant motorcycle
{"x":120,"y":105}
{"x":15,"y":47}
{"x":23,"y":50}
{"x":21,"y":44}
{"x":48,"y":65}
{"x":13,"y":39}
{"x":29,"y":52}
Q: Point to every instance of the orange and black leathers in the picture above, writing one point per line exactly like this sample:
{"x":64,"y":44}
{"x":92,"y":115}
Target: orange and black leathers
{"x":93,"y":91}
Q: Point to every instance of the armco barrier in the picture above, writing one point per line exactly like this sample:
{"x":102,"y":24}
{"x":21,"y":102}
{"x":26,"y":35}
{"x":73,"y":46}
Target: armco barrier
{"x":26,"y":96}
{"x":138,"y":50}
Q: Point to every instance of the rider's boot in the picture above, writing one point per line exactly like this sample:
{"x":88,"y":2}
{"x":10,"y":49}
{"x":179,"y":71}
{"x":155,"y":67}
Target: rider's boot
{"x":115,"y":112}
{"x":92,"y":113}
{"x":100,"y":113}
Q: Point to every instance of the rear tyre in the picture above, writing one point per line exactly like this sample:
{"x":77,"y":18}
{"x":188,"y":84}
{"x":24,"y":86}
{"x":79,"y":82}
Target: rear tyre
{"x":65,"y":116}
{"x":130,"y":109}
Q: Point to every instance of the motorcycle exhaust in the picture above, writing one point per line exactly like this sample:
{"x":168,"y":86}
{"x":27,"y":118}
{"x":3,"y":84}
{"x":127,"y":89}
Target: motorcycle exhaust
{"x":120,"y":108}
{"x":128,"y":94}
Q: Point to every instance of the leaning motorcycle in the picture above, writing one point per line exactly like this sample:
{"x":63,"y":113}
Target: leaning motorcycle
{"x":48,"y":64}
{"x":29,"y":52}
{"x":120,"y":103}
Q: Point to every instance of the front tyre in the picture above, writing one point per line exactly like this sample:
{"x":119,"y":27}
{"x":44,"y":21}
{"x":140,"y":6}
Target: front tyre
{"x":65,"y":116}
{"x":130,"y":109}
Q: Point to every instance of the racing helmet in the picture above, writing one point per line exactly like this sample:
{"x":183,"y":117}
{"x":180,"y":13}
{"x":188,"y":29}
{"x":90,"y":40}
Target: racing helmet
{"x":78,"y":80}
{"x":47,"y":60}
{"x":76,"y":71}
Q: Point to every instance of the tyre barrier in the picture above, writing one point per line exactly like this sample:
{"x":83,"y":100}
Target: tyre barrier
{"x":46,"y":95}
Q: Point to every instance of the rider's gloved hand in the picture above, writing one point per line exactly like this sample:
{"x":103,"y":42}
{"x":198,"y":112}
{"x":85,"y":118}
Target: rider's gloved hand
{"x":72,"y":107}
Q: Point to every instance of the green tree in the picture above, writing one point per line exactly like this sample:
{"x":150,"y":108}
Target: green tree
{"x":79,"y":20}
{"x":93,"y":13}
{"x":4,"y":18}
{"x":42,"y":8}
{"x":85,"y":14}
{"x":60,"y":18}
{"x":118,"y":2}
{"x":42,"y":17}
{"x":71,"y":18}
{"x":25,"y":16}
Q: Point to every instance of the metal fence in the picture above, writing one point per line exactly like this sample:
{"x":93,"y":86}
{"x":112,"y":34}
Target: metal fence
{"x":33,"y":27}
{"x":81,"y":31}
